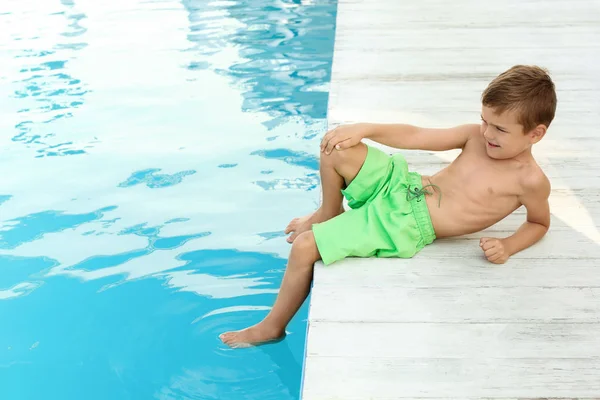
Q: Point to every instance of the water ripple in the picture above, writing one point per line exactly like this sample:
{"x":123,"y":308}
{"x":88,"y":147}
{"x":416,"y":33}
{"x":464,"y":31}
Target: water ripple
{"x":302,"y":159}
{"x":217,"y":109}
{"x":25,"y":229}
{"x":46,"y":91}
{"x":4,"y":198}
{"x":285,"y":50}
{"x":153,"y":180}
{"x":20,"y":289}
{"x":224,"y":380}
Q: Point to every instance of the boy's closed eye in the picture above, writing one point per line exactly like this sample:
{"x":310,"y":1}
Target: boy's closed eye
{"x":501,"y":129}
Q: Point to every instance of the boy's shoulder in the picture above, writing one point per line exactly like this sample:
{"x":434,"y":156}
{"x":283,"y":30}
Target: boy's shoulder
{"x":472,"y":131}
{"x":534,"y":181}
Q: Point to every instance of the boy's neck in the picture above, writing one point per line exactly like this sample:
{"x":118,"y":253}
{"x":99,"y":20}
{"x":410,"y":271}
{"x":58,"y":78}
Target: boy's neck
{"x":524,"y":157}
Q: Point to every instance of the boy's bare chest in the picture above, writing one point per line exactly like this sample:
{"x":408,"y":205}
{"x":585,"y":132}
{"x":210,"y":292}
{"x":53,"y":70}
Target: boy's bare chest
{"x":484,"y":181}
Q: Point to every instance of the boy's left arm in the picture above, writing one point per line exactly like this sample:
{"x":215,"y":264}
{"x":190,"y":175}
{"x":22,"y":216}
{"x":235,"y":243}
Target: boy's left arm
{"x":535,"y":201}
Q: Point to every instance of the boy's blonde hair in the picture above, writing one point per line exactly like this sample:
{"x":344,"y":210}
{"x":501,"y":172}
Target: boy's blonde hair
{"x":528,"y":90}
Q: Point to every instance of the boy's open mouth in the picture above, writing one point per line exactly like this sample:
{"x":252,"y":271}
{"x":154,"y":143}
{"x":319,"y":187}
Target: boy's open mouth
{"x":492,"y":145}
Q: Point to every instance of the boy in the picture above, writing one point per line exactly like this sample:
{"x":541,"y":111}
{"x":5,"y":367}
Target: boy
{"x":395,"y":213}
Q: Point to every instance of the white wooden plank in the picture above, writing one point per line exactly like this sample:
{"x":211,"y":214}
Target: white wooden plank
{"x":514,"y":38}
{"x":360,"y":303}
{"x":434,"y":340}
{"x":388,"y":378}
{"x":455,"y":273}
{"x":427,"y":15}
{"x":530,"y":322}
{"x":560,"y":245}
{"x":509,"y":226}
{"x":443,"y":64}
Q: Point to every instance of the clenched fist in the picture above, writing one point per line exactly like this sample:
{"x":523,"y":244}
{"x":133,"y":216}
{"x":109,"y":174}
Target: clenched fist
{"x":494,"y":250}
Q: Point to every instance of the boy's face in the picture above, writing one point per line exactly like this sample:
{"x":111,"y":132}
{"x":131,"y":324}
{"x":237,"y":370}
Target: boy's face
{"x":504,"y":136}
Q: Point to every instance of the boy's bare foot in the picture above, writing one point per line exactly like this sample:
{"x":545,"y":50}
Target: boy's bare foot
{"x":303,"y":224}
{"x":256,"y":334}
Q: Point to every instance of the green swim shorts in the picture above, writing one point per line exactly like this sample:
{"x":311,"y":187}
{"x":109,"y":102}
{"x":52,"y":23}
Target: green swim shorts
{"x":388,"y":217}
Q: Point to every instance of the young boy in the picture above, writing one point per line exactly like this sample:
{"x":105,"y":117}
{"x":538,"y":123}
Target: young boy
{"x":395,"y":213}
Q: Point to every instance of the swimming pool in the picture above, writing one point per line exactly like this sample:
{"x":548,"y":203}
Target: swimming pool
{"x":151,"y":154}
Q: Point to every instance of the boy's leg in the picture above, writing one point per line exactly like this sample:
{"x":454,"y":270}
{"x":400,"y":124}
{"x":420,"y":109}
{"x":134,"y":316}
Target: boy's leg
{"x":337,"y":170}
{"x":294,"y":290}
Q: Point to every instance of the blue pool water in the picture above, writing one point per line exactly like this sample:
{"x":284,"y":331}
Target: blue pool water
{"x":152,"y":152}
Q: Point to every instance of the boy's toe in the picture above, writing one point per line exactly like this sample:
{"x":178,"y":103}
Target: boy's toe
{"x":227,"y":337}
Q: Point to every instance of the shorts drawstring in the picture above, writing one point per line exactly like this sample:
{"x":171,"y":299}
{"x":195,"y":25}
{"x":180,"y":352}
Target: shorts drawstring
{"x":418,"y":192}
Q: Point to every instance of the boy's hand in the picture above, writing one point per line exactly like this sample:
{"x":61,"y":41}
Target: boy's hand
{"x":494,"y":250}
{"x":343,"y":137}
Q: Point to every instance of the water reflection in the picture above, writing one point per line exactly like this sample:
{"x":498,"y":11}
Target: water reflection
{"x":34,"y":226}
{"x":285,"y":50}
{"x":47,"y":92}
{"x":225,"y":381}
{"x":20,"y":289}
{"x":301,"y":159}
{"x":152,"y":179}
{"x":168,"y":231}
{"x":309,"y":182}
{"x":4,"y":198}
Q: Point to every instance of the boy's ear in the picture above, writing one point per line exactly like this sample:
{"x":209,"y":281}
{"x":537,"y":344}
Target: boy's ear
{"x":537,"y":133}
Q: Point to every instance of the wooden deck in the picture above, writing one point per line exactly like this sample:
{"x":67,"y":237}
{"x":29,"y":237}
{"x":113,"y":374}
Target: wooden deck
{"x":448,"y":324}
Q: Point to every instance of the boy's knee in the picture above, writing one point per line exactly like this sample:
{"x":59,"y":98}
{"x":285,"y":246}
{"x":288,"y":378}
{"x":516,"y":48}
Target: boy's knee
{"x":305,"y":241}
{"x":350,"y":155}
{"x":305,"y":246}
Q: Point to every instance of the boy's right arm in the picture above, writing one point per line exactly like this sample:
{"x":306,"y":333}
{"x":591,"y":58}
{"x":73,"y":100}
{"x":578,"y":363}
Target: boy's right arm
{"x":401,"y":136}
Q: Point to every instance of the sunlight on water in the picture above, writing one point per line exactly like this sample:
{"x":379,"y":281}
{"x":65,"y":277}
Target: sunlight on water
{"x":153,"y":152}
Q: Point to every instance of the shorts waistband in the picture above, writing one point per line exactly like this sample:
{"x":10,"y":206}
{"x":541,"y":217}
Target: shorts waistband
{"x":419,"y":207}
